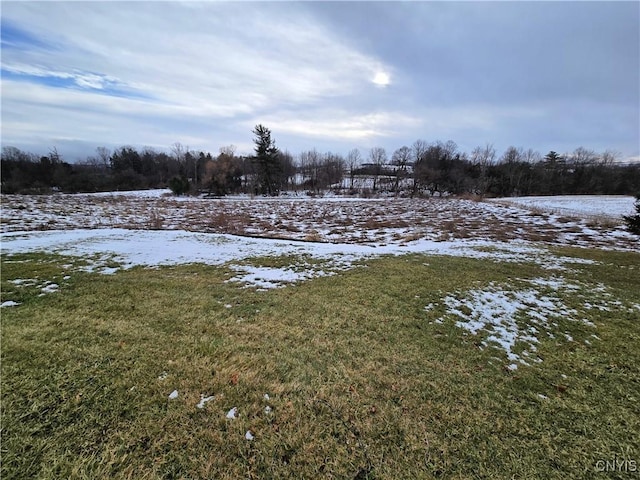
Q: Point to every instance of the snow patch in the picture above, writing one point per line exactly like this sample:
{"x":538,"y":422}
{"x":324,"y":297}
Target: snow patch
{"x":510,"y":318}
{"x":203,"y":401}
{"x":27,"y":282}
{"x":580,"y":205}
{"x":50,"y":288}
{"x":9,"y":303}
{"x":272,"y":277}
{"x":103,"y":248}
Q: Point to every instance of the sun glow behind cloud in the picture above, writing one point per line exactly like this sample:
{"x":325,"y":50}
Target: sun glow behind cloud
{"x":381,"y":78}
{"x":183,"y":68}
{"x":204,"y":73}
{"x":362,"y":128}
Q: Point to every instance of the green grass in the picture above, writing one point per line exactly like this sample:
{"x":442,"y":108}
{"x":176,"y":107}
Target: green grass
{"x":363,"y":382}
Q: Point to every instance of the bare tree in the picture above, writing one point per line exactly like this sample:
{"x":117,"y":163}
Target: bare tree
{"x":512,"y":160}
{"x":287,"y":169}
{"x":179,"y":152}
{"x":228,"y":150}
{"x":310,"y":162}
{"x":401,"y":159}
{"x":101,"y":160}
{"x":531,"y":156}
{"x":354,"y":159}
{"x":449,"y":148}
{"x":609,"y":157}
{"x":582,"y":156}
{"x":222,"y":175}
{"x":54,"y":156}
{"x":483,"y":156}
{"x":332,"y":170}
{"x":378,"y":158}
{"x":418,"y":151}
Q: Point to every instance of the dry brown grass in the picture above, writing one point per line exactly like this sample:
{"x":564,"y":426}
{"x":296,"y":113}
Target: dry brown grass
{"x":222,"y":222}
{"x":573,"y":229}
{"x":416,"y":235}
{"x":474,"y":197}
{"x":363,"y":382}
{"x":292,"y":228}
{"x":603,"y":222}
{"x":541,"y":236}
{"x":538,"y":211}
{"x":313,"y":236}
{"x":565,"y":219}
{"x":156,"y":220}
{"x":291,"y":219}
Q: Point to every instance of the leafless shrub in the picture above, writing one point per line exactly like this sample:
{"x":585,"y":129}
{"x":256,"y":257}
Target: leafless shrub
{"x":313,"y":236}
{"x":501,"y":235}
{"x":538,"y":212}
{"x":603,"y":221}
{"x":540,"y":236}
{"x":290,"y":228}
{"x":412,"y":236}
{"x":474,"y":197}
{"x":222,"y":222}
{"x":450,"y":226}
{"x":384,"y":222}
{"x":156,"y":220}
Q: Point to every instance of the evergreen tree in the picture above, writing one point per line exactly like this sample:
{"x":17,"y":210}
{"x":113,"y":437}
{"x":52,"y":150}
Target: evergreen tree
{"x":179,"y":185}
{"x":633,"y":221}
{"x":267,"y":162}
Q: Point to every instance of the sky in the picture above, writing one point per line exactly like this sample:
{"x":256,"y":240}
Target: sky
{"x":333,"y":76}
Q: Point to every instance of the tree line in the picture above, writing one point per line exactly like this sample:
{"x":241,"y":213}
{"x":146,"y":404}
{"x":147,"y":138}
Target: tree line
{"x":424,"y":168}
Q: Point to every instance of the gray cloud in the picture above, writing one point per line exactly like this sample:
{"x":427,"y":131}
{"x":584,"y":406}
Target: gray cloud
{"x":546,"y":75}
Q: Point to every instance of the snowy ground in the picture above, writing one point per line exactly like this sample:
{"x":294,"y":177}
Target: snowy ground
{"x":155,"y":228}
{"x":516,"y":317}
{"x":332,"y":219}
{"x":321,"y":237}
{"x":612,"y":206}
{"x":129,"y":248}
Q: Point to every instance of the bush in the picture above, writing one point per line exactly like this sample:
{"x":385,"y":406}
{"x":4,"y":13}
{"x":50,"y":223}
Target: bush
{"x":179,"y":185}
{"x":633,"y":221}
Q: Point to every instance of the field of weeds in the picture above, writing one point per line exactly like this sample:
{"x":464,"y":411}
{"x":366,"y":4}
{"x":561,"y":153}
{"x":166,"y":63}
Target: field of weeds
{"x":154,"y":337}
{"x":333,"y":219}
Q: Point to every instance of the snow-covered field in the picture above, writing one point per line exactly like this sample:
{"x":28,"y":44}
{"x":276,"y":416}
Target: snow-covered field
{"x":150,"y":248}
{"x":331,"y":219}
{"x":322,"y":237}
{"x":613,"y":206}
{"x":153,"y":228}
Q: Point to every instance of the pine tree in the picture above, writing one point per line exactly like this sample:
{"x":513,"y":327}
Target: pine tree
{"x":179,"y":185}
{"x":633,"y":221}
{"x":267,"y":161}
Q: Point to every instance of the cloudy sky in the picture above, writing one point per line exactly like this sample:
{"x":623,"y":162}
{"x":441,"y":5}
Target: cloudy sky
{"x":329,"y":75}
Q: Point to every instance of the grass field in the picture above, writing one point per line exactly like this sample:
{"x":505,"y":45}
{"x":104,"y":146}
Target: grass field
{"x":365,"y":374}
